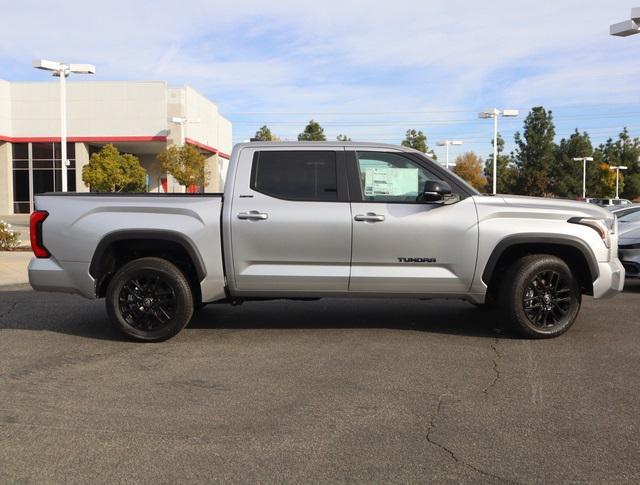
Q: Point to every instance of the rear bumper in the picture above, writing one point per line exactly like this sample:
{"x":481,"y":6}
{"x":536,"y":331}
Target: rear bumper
{"x":67,"y":277}
{"x":611,"y":279}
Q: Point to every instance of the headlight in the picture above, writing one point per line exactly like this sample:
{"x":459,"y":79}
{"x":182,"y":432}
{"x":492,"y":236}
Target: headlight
{"x":604,"y":227}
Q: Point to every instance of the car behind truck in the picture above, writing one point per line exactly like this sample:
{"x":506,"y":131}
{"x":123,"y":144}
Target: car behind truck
{"x":313,"y":220}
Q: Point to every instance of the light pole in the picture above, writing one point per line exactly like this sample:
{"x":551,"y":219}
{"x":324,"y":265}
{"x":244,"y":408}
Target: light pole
{"x":495,"y":113}
{"x":446,"y":143}
{"x":181,"y":121}
{"x":628,"y":27}
{"x":584,"y":161}
{"x":617,"y":169}
{"x":63,"y":70}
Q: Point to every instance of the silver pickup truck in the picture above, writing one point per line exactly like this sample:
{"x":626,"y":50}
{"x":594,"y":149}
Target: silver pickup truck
{"x":313,"y":220}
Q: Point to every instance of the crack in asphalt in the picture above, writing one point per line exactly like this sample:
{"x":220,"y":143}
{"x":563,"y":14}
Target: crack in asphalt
{"x":496,"y":369}
{"x":450,"y":452}
{"x":12,"y":307}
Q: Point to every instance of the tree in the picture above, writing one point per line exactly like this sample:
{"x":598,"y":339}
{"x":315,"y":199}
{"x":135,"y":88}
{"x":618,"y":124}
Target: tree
{"x":312,"y":132}
{"x":111,"y":171}
{"x":604,"y":182}
{"x":264,"y":134}
{"x":507,"y":172}
{"x":185,"y":164}
{"x":342,"y":137}
{"x":624,"y":151}
{"x":416,"y":140}
{"x":469,"y":168}
{"x":632,"y":186}
{"x":535,"y":153}
{"x":566,"y":173}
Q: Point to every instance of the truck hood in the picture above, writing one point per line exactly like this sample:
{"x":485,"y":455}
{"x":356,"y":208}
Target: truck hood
{"x":554,"y":207}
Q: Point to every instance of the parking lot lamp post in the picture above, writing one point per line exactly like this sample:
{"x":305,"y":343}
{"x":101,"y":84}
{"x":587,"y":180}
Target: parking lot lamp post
{"x":181,"y":121}
{"x":617,"y":169}
{"x":62,"y":70}
{"x":628,"y":27}
{"x":495,"y":113}
{"x":584,"y":161}
{"x":446,"y":143}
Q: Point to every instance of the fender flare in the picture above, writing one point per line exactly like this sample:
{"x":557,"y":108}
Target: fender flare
{"x":157,"y":234}
{"x":537,"y":238}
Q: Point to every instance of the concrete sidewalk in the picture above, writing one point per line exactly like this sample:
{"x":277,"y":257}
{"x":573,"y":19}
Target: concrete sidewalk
{"x":13,"y":267}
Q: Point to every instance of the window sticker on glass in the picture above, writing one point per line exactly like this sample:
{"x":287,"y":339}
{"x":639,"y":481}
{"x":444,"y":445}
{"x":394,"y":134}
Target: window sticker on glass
{"x":390,"y":181}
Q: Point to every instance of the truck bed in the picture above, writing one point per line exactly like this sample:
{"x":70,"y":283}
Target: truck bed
{"x":78,"y":223}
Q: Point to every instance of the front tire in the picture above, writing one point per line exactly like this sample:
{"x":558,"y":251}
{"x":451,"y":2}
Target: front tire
{"x":149,"y":300}
{"x":540,"y":296}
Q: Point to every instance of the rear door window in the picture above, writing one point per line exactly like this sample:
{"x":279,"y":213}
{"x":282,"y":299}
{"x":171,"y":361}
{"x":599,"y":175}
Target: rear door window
{"x":296,"y":174}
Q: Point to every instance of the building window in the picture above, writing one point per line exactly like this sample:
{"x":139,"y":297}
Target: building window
{"x":37,"y":169}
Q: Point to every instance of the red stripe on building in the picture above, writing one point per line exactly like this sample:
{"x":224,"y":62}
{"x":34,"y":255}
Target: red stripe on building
{"x":81,"y":139}
{"x":206,"y":148}
{"x":108,"y":139}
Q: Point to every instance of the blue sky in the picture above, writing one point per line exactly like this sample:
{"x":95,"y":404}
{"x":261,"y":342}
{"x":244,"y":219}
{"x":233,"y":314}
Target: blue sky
{"x":370,"y":69}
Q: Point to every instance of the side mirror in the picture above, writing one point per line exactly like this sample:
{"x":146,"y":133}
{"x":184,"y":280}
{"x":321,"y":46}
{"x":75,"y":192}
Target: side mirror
{"x":435,"y":191}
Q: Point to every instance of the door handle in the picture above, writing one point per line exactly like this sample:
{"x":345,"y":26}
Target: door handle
{"x":253,"y":216}
{"x":369,"y":217}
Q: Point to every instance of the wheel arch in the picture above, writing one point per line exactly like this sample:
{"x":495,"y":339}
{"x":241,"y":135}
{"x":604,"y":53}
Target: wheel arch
{"x":575,"y":252}
{"x":119,"y":247}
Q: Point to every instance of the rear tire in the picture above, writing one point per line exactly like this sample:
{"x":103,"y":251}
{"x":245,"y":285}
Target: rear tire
{"x":149,"y":300}
{"x":540,"y":296}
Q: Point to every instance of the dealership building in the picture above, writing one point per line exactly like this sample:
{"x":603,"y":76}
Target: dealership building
{"x":140,"y":118}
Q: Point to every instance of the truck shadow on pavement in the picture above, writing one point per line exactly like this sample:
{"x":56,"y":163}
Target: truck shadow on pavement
{"x":436,"y":316}
{"x":72,"y":315}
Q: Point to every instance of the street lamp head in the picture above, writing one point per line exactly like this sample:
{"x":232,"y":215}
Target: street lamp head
{"x":486,"y":114}
{"x":585,"y":159}
{"x":442,"y":143}
{"x":456,"y":142}
{"x":177,"y":119}
{"x":46,"y":65}
{"x":82,"y":68}
{"x":510,"y":113}
{"x":618,"y":167}
{"x":624,"y":29}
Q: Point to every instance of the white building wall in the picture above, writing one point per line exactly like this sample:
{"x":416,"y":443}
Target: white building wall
{"x":6,"y":175}
{"x":93,"y":109}
{"x":5,"y":108}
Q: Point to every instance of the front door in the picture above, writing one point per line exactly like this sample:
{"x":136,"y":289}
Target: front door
{"x":291,"y":222}
{"x":401,"y":245}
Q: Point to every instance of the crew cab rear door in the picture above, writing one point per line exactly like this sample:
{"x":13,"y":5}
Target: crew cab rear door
{"x":291,"y":222}
{"x":401,"y":245}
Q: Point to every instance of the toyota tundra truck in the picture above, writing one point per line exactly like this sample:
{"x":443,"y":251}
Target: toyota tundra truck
{"x":312,"y":220}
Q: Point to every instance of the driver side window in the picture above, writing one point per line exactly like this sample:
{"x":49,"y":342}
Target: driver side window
{"x":389,"y":177}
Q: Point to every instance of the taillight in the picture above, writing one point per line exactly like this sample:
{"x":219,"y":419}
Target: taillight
{"x":35,"y":228}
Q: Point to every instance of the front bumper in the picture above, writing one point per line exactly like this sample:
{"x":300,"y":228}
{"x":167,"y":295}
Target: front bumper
{"x":610,"y":282}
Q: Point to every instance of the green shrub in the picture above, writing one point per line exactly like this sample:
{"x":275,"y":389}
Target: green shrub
{"x":8,"y":238}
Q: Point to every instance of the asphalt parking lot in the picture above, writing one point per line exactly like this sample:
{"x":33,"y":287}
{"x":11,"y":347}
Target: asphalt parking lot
{"x":329,"y":391}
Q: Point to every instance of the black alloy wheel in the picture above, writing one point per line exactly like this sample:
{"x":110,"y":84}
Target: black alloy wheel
{"x":149,"y":300}
{"x":540,"y":296}
{"x":547,"y":299}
